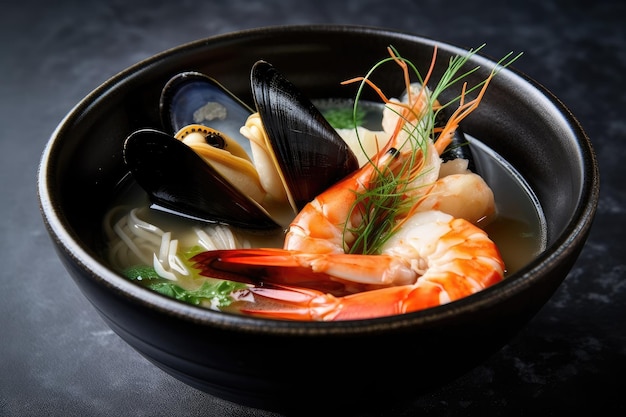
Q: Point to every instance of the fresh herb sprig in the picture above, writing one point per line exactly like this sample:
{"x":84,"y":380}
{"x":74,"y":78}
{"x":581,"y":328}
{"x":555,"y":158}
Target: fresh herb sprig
{"x":385,"y":202}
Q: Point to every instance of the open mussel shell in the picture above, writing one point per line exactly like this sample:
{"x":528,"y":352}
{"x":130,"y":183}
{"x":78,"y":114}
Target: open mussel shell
{"x":194,"y":98}
{"x":179,"y":181}
{"x":308,"y":150}
{"x":459,"y":147}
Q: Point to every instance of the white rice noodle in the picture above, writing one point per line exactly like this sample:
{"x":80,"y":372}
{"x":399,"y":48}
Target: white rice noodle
{"x":134,"y":241}
{"x":219,"y":237}
{"x":144,"y":229}
{"x":164,"y":247}
{"x":129,"y":241}
{"x":167,"y":263}
{"x":109,"y":223}
{"x":204,"y":239}
{"x":158,"y":267}
{"x":174,"y":260}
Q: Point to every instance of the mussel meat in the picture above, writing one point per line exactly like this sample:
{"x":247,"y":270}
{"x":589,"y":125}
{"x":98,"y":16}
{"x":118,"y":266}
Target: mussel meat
{"x":179,"y":181}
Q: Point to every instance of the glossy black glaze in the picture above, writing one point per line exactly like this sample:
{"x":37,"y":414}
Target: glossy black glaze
{"x":251,"y":361}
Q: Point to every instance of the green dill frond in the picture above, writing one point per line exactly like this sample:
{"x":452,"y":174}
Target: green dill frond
{"x":390,"y":197}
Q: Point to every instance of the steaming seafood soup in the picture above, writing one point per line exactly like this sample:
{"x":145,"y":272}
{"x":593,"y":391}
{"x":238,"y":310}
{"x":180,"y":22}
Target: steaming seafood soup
{"x":518,"y":228}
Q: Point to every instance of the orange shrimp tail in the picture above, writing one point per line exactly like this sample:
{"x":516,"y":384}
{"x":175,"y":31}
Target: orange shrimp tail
{"x":290,"y":303}
{"x":267,"y":266}
{"x":228,"y":264}
{"x":388,"y":302}
{"x":293,"y":303}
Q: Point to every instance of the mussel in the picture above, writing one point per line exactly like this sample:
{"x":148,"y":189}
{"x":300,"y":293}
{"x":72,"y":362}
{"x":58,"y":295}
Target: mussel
{"x":309,"y":152}
{"x":295,"y":141}
{"x":179,"y":181}
{"x":459,"y":146}
{"x":193,"y":98}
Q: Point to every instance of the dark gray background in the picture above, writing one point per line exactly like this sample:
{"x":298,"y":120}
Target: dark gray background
{"x":58,"y":358}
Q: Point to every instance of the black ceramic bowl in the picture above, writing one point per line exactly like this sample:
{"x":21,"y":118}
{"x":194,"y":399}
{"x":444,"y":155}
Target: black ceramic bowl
{"x":291,"y":365}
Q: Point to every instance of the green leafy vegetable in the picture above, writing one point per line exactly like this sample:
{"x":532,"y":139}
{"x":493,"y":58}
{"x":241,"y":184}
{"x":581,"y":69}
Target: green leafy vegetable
{"x":217,"y":292}
{"x":344,"y":118}
{"x":141,"y":273}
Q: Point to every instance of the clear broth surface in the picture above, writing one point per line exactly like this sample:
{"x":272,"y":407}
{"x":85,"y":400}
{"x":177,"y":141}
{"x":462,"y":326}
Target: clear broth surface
{"x":519,"y":229}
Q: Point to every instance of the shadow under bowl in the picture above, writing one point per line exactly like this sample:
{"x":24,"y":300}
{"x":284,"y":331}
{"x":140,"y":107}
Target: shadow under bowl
{"x":282,"y":365}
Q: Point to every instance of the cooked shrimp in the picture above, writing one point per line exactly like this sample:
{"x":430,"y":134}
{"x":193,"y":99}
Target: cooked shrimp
{"x":465,"y":196}
{"x":377,"y":235}
{"x":328,"y":223}
{"x":324,"y":224}
{"x":432,"y":260}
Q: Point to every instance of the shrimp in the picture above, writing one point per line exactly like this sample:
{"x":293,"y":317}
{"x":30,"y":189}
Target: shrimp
{"x":434,"y":259}
{"x":416,"y":256}
{"x":325,"y":225}
{"x":465,"y":196}
{"x":431,"y":259}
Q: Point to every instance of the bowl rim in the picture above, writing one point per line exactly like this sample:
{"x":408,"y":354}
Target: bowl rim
{"x":575,"y":231}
